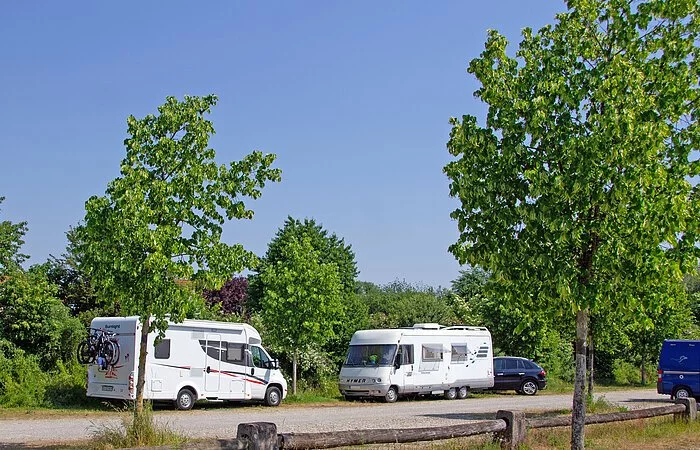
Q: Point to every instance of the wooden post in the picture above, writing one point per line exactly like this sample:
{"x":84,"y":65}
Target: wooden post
{"x":691,"y":409}
{"x":516,"y":429}
{"x":259,"y":435}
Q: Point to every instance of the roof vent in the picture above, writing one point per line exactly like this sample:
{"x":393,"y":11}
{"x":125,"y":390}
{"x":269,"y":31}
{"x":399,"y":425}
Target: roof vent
{"x":427,"y":326}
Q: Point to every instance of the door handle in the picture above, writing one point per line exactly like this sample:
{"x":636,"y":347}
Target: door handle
{"x":252,"y":370}
{"x":208,"y":369}
{"x":521,"y":373}
{"x":501,"y":373}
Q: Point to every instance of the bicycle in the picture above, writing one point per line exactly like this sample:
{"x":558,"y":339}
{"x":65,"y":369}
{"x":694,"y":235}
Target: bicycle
{"x":99,"y":344}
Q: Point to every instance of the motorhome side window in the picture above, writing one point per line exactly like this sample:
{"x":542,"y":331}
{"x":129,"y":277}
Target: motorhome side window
{"x":405,"y":355}
{"x":432,"y":352}
{"x":235,"y":353}
{"x":162,"y":350}
{"x":260,"y":359}
{"x":459,"y":352}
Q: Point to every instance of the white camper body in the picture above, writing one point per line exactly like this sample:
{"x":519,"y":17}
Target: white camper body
{"x":425,"y":359}
{"x":196,"y":360}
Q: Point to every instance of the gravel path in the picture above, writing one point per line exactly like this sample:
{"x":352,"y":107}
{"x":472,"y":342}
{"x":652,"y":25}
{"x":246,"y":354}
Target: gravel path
{"x":217,"y":421}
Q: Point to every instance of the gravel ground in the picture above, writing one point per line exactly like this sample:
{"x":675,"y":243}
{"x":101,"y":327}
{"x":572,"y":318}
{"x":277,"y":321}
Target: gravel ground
{"x":217,"y":421}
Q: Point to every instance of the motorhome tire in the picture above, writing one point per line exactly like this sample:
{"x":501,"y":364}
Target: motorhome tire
{"x":529,"y":387}
{"x":391,"y":395}
{"x":682,"y":392}
{"x":451,"y":394}
{"x":185,"y":400}
{"x":273,"y":396}
{"x":462,"y":392}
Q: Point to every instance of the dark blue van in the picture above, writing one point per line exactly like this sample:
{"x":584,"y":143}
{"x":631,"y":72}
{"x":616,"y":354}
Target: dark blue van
{"x":679,"y":369}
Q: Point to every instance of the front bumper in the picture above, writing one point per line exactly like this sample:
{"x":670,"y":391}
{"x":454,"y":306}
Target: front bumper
{"x":363,"y":390}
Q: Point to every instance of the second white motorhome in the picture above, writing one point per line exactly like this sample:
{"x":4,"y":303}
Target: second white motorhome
{"x":197,"y":360}
{"x":424,"y":359}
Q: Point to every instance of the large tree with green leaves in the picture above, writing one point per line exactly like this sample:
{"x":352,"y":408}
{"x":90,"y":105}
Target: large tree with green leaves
{"x":574,"y":193}
{"x":331,"y":249}
{"x":160,"y":221}
{"x":301,"y":297}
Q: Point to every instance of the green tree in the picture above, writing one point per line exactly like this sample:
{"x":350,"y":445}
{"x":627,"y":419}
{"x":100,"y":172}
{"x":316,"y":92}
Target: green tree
{"x":301,"y":299}
{"x":34,"y":320}
{"x":401,"y":304}
{"x":331,"y":249}
{"x":160,"y":222}
{"x":575,"y":192}
{"x":11,"y":240}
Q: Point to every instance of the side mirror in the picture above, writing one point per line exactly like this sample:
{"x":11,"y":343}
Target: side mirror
{"x":274,"y":364}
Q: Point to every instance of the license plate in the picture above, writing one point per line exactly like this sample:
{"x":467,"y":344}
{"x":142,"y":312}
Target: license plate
{"x":108,"y":388}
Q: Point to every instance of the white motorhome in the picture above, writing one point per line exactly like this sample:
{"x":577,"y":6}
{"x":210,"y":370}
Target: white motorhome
{"x":424,"y":359}
{"x":196,"y":360}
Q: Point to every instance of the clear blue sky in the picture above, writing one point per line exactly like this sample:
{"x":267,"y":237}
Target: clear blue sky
{"x":354,"y":98}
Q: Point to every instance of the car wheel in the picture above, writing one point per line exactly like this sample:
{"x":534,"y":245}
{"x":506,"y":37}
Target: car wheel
{"x":391,"y":395}
{"x":185,"y":400}
{"x":451,"y":394}
{"x":273,"y":396}
{"x":462,"y":392}
{"x":528,"y":387}
{"x":682,"y":392}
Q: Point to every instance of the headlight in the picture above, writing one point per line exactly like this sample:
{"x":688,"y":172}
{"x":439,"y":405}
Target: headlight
{"x":378,"y":380}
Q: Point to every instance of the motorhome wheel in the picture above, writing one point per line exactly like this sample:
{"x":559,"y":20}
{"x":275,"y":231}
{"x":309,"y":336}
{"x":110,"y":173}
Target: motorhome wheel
{"x":185,"y":399}
{"x":273,"y":396}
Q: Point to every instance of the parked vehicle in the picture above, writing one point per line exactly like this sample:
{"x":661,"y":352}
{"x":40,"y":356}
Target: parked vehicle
{"x":196,"y":360}
{"x":679,"y":369}
{"x":519,"y":374}
{"x":424,"y":359}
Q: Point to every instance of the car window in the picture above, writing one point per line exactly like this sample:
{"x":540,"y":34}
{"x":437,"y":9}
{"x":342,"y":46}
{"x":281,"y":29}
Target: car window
{"x":511,"y":364}
{"x":498,"y":364}
{"x":522,"y":364}
{"x":531,"y":365}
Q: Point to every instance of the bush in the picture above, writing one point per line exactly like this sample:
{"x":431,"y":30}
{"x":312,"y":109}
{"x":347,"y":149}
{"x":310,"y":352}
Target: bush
{"x":66,"y":386}
{"x":22,"y":382}
{"x":625,"y":372}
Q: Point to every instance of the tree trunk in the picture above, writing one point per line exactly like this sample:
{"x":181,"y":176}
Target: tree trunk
{"x":589,"y":365}
{"x":141,"y":373}
{"x":644,"y":372}
{"x":578,"y":416}
{"x":294,"y":373}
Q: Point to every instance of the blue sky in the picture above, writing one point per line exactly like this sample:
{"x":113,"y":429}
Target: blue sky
{"x":353,"y":97}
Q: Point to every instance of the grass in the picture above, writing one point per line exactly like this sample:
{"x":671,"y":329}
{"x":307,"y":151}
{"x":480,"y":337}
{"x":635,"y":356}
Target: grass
{"x":656,"y":433}
{"x":140,"y":432}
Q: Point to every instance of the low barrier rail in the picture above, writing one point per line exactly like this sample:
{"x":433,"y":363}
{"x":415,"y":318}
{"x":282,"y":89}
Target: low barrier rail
{"x":509,"y":428}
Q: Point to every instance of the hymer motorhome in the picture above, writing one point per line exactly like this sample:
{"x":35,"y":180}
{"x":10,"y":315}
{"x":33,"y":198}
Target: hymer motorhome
{"x":424,"y":359}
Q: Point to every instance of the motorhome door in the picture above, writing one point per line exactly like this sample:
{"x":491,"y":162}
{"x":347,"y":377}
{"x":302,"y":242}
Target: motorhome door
{"x":212,"y":363}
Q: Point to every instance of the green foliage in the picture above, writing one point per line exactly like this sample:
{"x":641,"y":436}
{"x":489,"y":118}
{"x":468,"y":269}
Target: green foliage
{"x":400,"y":304}
{"x":35,"y":321}
{"x":143,"y":431}
{"x":22,"y":381}
{"x":331,"y":252}
{"x":160,"y":221}
{"x":301,"y":296}
{"x":11,"y":240}
{"x":574,"y":193}
{"x":66,"y":385}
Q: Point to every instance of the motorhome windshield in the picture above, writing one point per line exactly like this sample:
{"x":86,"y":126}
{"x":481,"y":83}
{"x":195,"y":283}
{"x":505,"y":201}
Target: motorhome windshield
{"x":371,"y":355}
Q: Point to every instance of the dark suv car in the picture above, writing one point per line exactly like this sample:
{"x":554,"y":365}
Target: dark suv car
{"x":521,"y":374}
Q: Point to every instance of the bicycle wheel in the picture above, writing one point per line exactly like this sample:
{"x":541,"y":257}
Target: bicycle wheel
{"x":110,"y":350}
{"x":86,"y":354}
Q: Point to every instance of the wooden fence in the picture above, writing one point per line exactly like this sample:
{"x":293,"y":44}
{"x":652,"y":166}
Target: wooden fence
{"x":509,"y":428}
